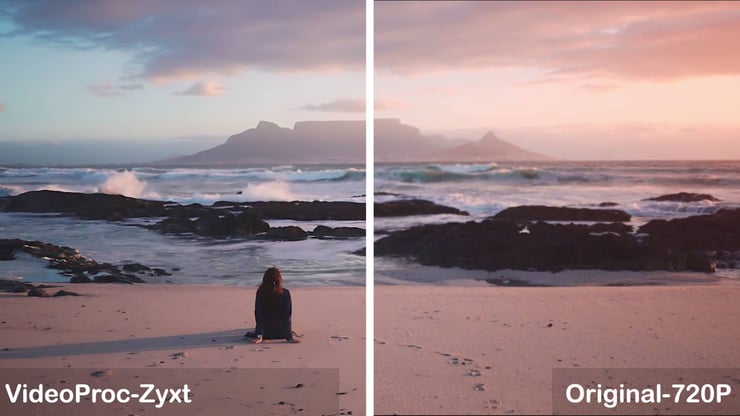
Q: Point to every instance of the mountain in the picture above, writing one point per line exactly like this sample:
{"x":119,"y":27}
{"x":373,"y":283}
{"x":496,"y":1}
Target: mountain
{"x":311,"y":142}
{"x":488,"y":148}
{"x":398,"y":142}
{"x":268,"y":144}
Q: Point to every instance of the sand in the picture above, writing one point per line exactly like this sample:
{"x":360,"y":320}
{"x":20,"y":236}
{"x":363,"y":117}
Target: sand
{"x":194,"y":327}
{"x":475,"y":348}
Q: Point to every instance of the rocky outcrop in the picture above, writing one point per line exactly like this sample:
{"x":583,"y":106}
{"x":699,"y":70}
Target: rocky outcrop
{"x":223,"y":219}
{"x":324,"y":232}
{"x":117,"y":207}
{"x":545,"y":213}
{"x":716,"y":232}
{"x":288,"y":233}
{"x":81,"y":269}
{"x":495,"y":245}
{"x":684,"y":197}
{"x":221,"y":224}
{"x":407,"y":207}
{"x":38,"y":292}
{"x":65,"y":293}
{"x":86,"y":206}
{"x":14,"y":286}
{"x":300,"y":210}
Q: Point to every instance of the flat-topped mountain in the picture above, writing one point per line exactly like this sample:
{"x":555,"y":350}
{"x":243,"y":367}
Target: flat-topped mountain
{"x":307,"y":142}
{"x":311,"y":142}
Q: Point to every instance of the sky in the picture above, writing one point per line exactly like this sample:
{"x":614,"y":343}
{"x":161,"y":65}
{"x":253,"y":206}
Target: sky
{"x":576,"y":80}
{"x":146,"y":71}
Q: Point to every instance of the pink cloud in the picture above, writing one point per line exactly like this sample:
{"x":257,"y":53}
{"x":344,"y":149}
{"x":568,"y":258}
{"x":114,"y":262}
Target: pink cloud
{"x":344,"y":105}
{"x":189,"y":38}
{"x":581,"y":40}
{"x":2,"y":106}
{"x":204,"y":89}
{"x":385,"y":105}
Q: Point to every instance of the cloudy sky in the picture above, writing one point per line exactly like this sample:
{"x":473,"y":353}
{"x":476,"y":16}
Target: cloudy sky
{"x":584,"y":80}
{"x":157,"y":69}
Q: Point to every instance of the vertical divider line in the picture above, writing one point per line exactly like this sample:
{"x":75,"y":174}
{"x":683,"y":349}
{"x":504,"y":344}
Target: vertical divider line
{"x":369,"y":208}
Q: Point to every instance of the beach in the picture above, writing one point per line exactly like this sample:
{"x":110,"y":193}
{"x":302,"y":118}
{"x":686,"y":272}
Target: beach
{"x":113,"y":327}
{"x":461,"y":346}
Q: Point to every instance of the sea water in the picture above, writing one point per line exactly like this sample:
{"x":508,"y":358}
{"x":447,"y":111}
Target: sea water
{"x":485,"y":189}
{"x":191,"y":259}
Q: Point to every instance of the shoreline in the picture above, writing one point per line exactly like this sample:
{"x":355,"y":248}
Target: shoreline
{"x":113,"y":326}
{"x":407,"y":273}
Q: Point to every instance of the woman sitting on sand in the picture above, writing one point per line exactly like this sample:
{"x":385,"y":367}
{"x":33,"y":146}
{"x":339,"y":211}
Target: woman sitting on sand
{"x":273,"y":309}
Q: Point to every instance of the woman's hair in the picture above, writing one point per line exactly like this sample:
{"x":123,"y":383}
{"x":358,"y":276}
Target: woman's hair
{"x":270,"y":289}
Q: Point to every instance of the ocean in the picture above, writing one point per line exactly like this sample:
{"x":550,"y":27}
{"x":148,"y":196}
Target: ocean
{"x":485,"y":189}
{"x":191,"y":259}
{"x":481,"y":189}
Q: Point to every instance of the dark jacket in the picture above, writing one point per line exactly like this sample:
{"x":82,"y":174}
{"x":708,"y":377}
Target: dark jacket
{"x":274,"y":324}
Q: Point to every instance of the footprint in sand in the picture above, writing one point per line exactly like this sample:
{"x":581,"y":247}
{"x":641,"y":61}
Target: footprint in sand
{"x":339,"y":337}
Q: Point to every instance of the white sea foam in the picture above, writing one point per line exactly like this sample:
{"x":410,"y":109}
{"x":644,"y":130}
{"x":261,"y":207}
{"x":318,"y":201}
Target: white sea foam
{"x":269,"y":191}
{"x":123,"y":183}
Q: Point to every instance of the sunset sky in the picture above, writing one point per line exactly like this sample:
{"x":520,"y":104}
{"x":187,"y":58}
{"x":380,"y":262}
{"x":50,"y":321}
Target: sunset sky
{"x":600,"y":80}
{"x":157,"y":69}
{"x":581,"y":80}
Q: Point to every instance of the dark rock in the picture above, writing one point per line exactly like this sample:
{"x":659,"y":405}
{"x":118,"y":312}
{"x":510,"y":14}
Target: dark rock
{"x":175,"y":225}
{"x":322,"y":231}
{"x":608,"y":204}
{"x":684,"y":197}
{"x":214,"y":223}
{"x":87,"y":206}
{"x":495,"y":245}
{"x":13,"y":286}
{"x":38,"y":292}
{"x":407,"y":207}
{"x":135,"y":268}
{"x":302,"y":210}
{"x":118,"y":207}
{"x":66,"y":293}
{"x":718,"y":231}
{"x":611,"y":227}
{"x":227,"y":224}
{"x":7,"y":250}
{"x":512,"y":282}
{"x":545,"y":213}
{"x":186,"y":211}
{"x":159,"y":272}
{"x":142,"y":269}
{"x":700,"y":262}
{"x":80,"y":278}
{"x":118,"y":278}
{"x":289,"y":233}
